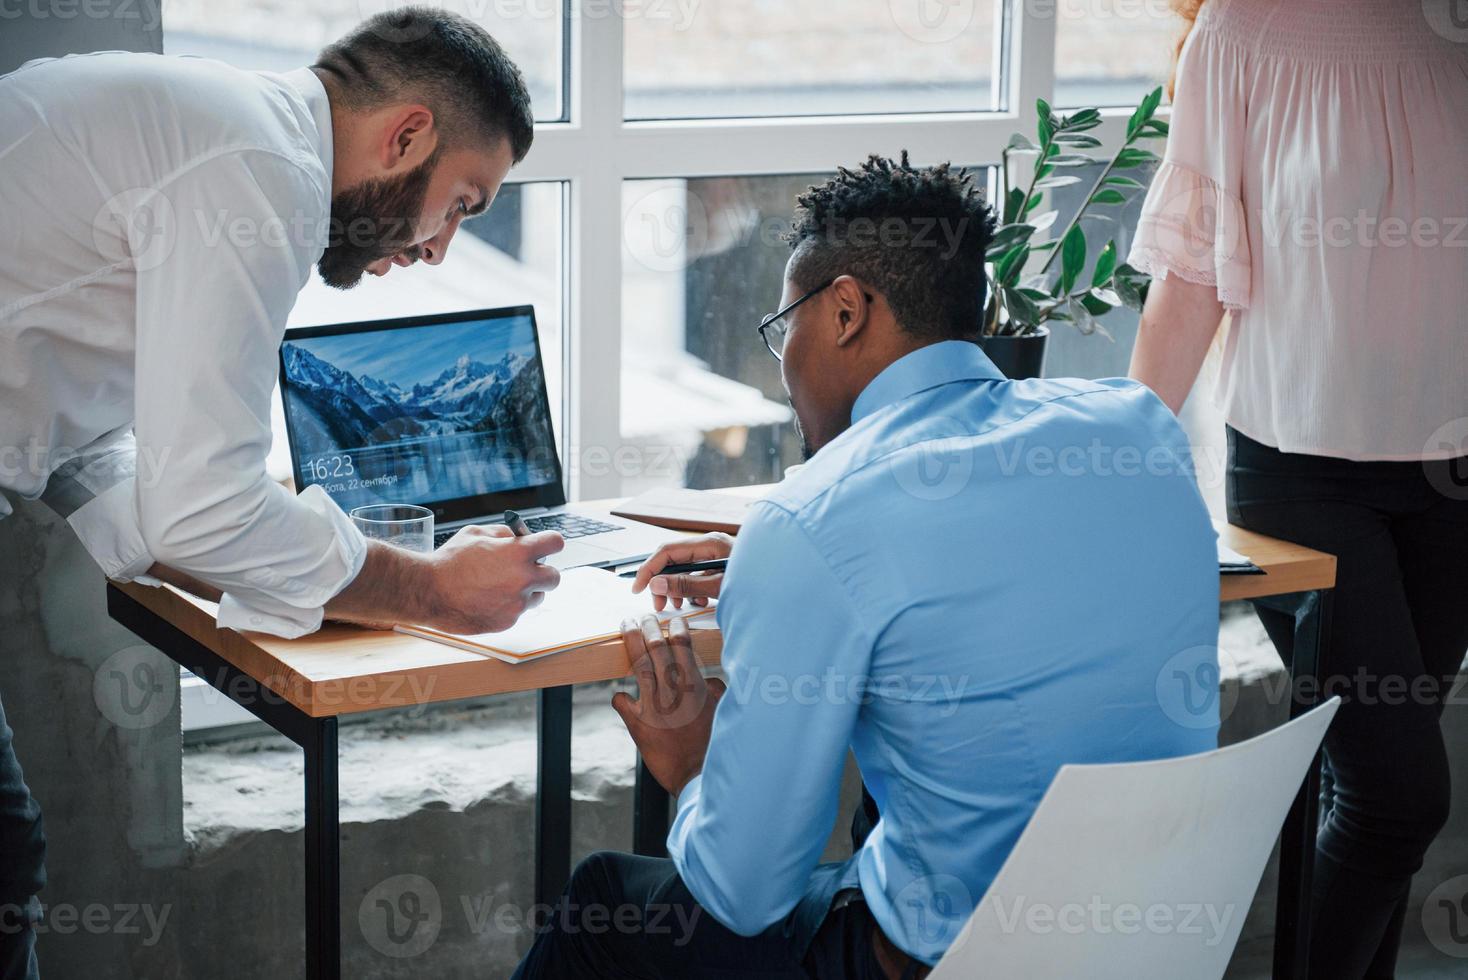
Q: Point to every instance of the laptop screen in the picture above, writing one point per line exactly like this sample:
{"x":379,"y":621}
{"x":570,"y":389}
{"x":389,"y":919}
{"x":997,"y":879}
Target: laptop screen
{"x":448,"y":411}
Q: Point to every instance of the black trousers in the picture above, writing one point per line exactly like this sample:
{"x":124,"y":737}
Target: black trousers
{"x":22,"y":871}
{"x":625,"y":917}
{"x":1399,"y":531}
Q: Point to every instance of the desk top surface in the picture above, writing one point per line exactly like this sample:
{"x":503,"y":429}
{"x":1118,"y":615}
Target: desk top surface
{"x":344,"y":669}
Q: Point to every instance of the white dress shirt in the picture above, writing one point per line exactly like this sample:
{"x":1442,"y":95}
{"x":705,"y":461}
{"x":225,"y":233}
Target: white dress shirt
{"x":160,"y":216}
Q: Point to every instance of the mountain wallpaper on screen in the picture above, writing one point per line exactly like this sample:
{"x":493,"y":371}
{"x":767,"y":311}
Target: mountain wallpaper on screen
{"x":334,"y":410}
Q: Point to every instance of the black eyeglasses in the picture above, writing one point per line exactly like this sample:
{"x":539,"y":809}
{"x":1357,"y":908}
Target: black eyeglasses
{"x":772,"y":329}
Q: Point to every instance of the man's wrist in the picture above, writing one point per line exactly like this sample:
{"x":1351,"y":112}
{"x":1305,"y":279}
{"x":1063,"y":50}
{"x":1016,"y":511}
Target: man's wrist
{"x":676,"y":791}
{"x":392,"y":585}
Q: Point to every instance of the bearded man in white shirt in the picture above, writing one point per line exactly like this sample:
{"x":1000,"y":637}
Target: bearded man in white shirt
{"x":138,"y":342}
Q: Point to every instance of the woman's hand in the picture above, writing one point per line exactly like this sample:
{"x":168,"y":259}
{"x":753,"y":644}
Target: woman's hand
{"x":698,"y":588}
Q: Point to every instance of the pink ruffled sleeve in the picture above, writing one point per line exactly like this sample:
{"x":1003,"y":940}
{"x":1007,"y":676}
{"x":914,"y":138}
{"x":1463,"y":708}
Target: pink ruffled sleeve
{"x":1193,"y":223}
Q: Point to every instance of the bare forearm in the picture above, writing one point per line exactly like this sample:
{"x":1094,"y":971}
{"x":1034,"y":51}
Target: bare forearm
{"x":391,"y":587}
{"x":481,"y":581}
{"x":1178,"y":324}
{"x":394,"y":586}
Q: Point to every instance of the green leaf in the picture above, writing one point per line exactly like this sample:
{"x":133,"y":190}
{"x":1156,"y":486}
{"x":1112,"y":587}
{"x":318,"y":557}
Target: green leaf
{"x":1071,"y":160}
{"x":1076,"y":139}
{"x":1045,"y":220}
{"x":1105,"y":265}
{"x":1051,"y":150}
{"x":1143,"y":112}
{"x":1083,"y":116}
{"x":1007,"y":238}
{"x":1108,"y":196}
{"x":1120,"y":180}
{"x":1009,"y":266}
{"x":1081,"y":316}
{"x":1035,"y":199}
{"x":1072,"y":257}
{"x":1043,"y":246}
{"x":1107,"y":296}
{"x":1130,"y":286}
{"x":1158,"y":127}
{"x":1094,"y":305}
{"x":1038,"y":295}
{"x":1013,"y":201}
{"x":1019,"y":141}
{"x":1134,"y":157}
{"x":1022,"y":309}
{"x":1056,"y":182}
{"x":1043,"y":110}
{"x":1044,"y":170}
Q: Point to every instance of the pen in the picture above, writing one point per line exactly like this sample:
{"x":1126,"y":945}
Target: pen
{"x":516,"y":524}
{"x":715,"y":565}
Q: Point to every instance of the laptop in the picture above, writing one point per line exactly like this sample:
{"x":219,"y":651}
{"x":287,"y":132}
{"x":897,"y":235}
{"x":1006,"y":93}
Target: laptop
{"x":449,"y":412}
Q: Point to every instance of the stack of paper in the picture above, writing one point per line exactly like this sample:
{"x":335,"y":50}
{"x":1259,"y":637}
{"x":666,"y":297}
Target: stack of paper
{"x":588,"y":607}
{"x":1230,"y":562}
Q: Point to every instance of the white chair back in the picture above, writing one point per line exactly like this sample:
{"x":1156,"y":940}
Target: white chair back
{"x":1139,"y":870}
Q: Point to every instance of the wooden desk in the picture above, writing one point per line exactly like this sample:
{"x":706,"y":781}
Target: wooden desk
{"x":301,"y":687}
{"x":342,"y":670}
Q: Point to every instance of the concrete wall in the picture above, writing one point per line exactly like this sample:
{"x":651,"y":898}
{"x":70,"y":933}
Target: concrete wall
{"x":51,"y":28}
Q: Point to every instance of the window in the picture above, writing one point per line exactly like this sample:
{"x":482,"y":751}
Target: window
{"x":721,"y":109}
{"x":279,"y":36}
{"x":645,"y":224}
{"x":702,"y":401}
{"x":808,"y":57}
{"x":1112,"y":52}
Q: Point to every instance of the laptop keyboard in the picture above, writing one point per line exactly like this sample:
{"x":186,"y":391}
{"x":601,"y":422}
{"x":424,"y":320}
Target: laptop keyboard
{"x":569,"y":525}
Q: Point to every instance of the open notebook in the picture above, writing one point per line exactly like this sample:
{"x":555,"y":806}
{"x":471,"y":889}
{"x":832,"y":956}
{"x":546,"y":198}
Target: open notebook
{"x":588,"y":607}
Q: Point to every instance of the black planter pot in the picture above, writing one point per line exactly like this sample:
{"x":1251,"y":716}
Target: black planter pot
{"x":1018,"y":357}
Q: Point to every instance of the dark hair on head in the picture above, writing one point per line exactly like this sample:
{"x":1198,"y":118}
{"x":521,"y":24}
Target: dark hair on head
{"x":915,"y":234}
{"x":438,"y":58}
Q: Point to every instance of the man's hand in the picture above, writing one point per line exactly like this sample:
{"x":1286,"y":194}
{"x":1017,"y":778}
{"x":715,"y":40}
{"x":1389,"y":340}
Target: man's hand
{"x":697,"y":588}
{"x":480,"y":581}
{"x":485,"y":578}
{"x":674,"y":711}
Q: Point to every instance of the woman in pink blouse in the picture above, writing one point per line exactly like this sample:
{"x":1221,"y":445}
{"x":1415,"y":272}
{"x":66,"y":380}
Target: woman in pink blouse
{"x":1315,"y":188}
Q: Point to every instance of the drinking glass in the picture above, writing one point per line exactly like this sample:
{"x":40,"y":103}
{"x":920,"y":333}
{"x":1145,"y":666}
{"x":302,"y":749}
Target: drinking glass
{"x":406,"y":526}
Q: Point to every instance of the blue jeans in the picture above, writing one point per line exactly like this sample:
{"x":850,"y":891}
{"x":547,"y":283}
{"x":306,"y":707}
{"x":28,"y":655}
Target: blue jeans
{"x":1399,"y":629}
{"x":22,"y":869}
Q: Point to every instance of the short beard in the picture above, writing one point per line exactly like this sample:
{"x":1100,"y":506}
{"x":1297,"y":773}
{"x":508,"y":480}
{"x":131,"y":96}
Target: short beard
{"x":373,"y":221}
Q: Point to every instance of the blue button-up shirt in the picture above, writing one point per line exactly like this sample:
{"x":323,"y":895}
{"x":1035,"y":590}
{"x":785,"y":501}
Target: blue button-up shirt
{"x":978,"y":582}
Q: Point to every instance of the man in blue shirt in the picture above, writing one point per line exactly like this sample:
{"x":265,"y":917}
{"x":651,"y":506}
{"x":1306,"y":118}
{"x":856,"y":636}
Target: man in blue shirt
{"x":972,"y":582}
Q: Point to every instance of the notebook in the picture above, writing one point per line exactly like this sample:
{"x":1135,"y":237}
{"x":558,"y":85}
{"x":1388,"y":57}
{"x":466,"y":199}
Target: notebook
{"x":588,"y":607}
{"x":687,"y":510}
{"x":1230,"y":562}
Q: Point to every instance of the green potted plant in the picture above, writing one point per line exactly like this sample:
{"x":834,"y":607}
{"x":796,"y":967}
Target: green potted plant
{"x":1024,"y":299}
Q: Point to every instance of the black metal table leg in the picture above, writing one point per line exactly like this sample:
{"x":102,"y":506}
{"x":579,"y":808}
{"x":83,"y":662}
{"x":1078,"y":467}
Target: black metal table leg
{"x":553,"y":796}
{"x":649,"y":814}
{"x":323,"y":853}
{"x":317,"y":738}
{"x":1297,"y":840}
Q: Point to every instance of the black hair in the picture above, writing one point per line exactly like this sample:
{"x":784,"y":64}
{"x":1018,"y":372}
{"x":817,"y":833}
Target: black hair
{"x":447,"y":62}
{"x":915,"y":234}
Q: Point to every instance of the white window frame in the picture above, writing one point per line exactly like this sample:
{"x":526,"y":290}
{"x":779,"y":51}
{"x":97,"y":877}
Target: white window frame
{"x":596,"y":150}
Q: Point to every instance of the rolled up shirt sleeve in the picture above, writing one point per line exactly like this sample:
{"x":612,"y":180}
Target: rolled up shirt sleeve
{"x":751,"y":828}
{"x":93,"y":492}
{"x":230,"y":243}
